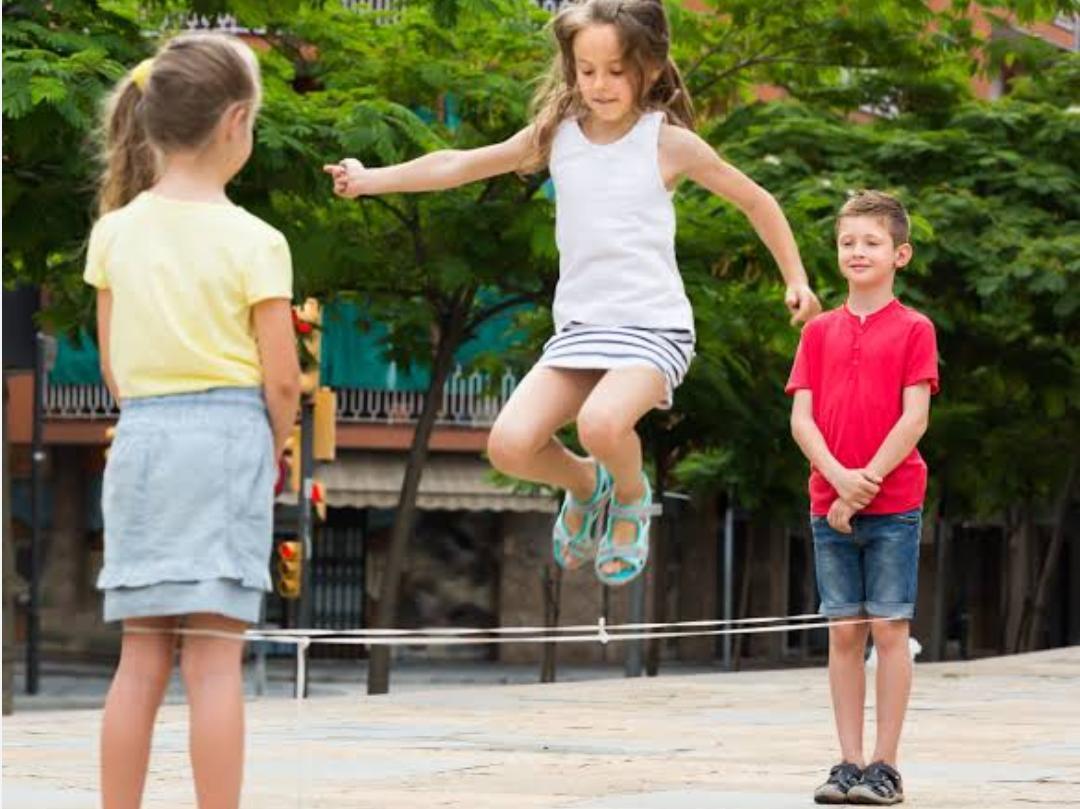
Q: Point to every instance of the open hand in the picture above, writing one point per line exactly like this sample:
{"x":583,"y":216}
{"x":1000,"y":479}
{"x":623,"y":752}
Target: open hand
{"x":348,"y":177}
{"x":802,"y":303}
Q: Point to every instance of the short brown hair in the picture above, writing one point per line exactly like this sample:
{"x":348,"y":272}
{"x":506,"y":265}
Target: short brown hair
{"x":193,"y":80}
{"x":882,"y":206}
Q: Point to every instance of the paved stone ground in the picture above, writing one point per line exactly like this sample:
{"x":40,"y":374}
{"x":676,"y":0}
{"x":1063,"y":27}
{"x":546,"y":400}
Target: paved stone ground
{"x":1001,"y":732}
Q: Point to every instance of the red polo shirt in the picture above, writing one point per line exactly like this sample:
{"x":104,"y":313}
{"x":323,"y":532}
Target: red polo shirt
{"x":857,"y":371}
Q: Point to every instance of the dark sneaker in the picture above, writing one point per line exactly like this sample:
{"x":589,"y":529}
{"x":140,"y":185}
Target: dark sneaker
{"x":842,"y":778}
{"x":881,"y":785}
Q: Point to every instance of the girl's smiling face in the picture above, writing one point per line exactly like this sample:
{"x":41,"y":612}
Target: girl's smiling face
{"x":602,"y":73}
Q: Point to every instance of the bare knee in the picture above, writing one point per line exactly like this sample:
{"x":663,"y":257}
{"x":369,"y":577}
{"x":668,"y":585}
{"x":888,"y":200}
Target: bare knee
{"x":847,"y":640}
{"x":510,"y":446}
{"x":212,"y":659}
{"x":601,"y":431}
{"x":150,"y":676}
{"x":890,"y":637}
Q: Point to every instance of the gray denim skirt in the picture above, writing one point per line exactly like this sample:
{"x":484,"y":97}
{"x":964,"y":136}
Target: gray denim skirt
{"x":187,"y":503}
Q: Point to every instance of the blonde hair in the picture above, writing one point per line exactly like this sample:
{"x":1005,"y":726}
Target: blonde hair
{"x":881,"y":206}
{"x":173,"y":103}
{"x":643,"y":31}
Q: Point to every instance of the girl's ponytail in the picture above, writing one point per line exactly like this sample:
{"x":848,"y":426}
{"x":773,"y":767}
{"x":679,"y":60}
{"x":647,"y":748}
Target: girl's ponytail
{"x":171,"y":102}
{"x":669,"y":94}
{"x":130,"y":162}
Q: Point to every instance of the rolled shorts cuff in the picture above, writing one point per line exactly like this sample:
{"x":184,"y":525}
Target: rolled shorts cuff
{"x":841,"y":610}
{"x":870,"y":609}
{"x":883,"y":609}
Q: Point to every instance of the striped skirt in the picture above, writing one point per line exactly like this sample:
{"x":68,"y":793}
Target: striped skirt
{"x":578,"y":345}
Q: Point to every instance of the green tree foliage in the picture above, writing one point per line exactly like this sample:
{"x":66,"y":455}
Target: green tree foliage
{"x":60,"y":59}
{"x":881,"y":54}
{"x":993,"y":195}
{"x":387,"y":93}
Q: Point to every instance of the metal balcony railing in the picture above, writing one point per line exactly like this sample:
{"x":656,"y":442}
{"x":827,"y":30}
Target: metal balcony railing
{"x":468,"y":400}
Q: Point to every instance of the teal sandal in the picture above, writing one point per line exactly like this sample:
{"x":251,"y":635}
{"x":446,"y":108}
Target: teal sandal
{"x":580,"y":546}
{"x":633,"y":555}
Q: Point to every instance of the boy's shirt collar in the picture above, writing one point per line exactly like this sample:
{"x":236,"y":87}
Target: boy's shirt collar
{"x":892,"y":306}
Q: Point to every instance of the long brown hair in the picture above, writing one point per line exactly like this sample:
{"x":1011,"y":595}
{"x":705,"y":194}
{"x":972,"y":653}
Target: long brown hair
{"x":190,"y":83}
{"x":645,"y":36}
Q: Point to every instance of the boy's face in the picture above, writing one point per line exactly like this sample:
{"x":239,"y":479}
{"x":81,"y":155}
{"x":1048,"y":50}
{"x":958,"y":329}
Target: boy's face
{"x":866,"y":253}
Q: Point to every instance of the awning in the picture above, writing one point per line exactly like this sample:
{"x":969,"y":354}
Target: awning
{"x":451,"y":482}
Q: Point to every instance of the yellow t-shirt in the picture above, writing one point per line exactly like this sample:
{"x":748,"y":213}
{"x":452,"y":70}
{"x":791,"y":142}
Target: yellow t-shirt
{"x":183,"y":277}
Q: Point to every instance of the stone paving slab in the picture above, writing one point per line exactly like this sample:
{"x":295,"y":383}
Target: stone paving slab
{"x":998,"y":733}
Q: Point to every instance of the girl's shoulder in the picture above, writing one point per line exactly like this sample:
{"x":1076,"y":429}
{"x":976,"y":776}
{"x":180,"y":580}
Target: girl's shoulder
{"x":115,"y":223}
{"x":673,"y":136}
{"x":256,"y":227}
{"x":682,"y":148}
{"x":203,"y":221}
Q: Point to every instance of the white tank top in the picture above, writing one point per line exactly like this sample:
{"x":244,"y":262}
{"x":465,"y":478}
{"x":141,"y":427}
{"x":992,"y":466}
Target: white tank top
{"x":615,"y":228}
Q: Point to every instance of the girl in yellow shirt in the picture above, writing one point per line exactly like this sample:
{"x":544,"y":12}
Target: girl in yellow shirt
{"x":197,"y":346}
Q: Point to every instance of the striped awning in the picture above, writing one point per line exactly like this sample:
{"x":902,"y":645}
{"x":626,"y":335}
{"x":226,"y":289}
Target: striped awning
{"x":451,"y":482}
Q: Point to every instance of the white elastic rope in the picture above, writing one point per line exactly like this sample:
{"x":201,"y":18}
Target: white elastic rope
{"x":529,"y":630}
{"x":599,"y":633}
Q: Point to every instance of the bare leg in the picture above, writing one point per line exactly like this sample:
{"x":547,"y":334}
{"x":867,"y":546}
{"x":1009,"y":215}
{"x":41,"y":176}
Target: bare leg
{"x":606,"y":428}
{"x":894,"y":674}
{"x":522,"y":442}
{"x":131,"y":706}
{"x":213,"y":678}
{"x":847,"y":681}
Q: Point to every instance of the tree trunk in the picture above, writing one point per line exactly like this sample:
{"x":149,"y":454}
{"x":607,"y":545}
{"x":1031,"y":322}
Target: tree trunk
{"x":1018,"y":581}
{"x":552,"y":584}
{"x":779,"y":581}
{"x":742,"y":610}
{"x":405,"y":517}
{"x":809,"y":590}
{"x":662,"y":539}
{"x":942,"y":538}
{"x":1049,"y":567}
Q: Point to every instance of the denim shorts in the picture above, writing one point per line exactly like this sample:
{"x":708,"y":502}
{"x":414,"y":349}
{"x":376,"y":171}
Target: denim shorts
{"x":872,"y":571}
{"x":187,"y":502}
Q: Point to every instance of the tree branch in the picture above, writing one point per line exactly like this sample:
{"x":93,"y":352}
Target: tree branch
{"x":398,"y":214}
{"x":719,"y":46}
{"x":489,"y":312}
{"x":766,"y":60}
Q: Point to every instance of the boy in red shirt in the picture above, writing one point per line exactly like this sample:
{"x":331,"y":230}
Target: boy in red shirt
{"x":862,"y":382}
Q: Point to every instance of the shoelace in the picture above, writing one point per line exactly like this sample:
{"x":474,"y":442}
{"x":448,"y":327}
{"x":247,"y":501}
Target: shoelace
{"x":882,"y":779}
{"x":845,"y":775}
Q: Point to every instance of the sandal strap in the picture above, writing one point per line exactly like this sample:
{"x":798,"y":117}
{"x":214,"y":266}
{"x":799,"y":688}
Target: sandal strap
{"x":599,"y":496}
{"x":637,"y":512}
{"x":582,"y":544}
{"x":563,"y":534}
{"x":636,"y":552}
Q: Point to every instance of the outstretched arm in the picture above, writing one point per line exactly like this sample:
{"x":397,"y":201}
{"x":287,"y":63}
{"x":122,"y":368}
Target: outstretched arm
{"x":435,"y":171}
{"x":684,"y":153}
